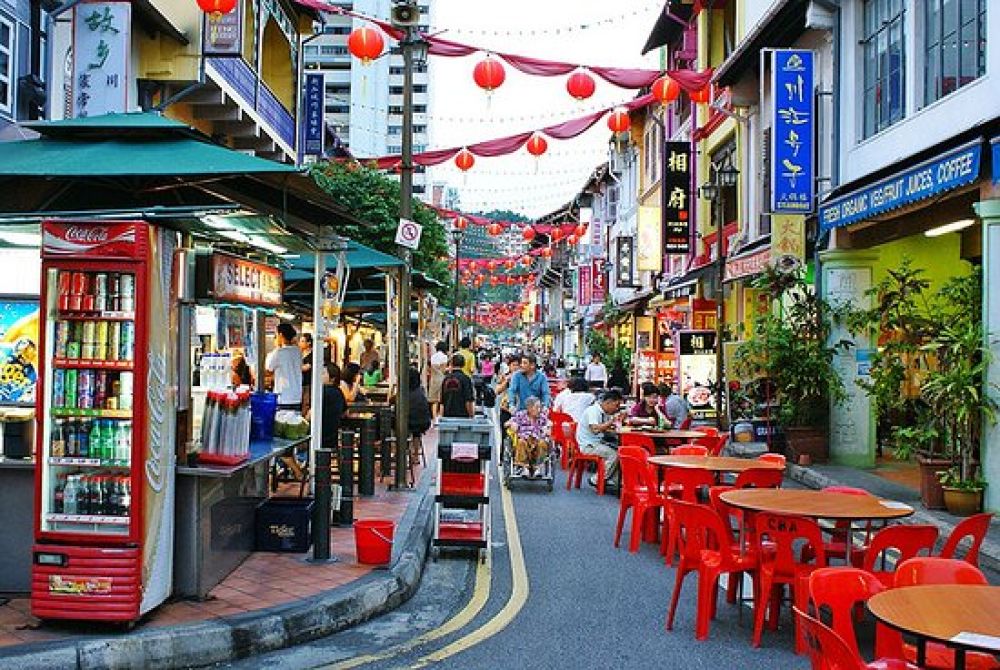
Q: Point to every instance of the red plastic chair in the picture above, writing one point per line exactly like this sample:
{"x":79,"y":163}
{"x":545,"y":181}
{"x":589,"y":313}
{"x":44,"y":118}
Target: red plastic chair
{"x":707,"y":549}
{"x":638,"y":494}
{"x":689,"y":450}
{"x":579,"y":462}
{"x":759,"y":478}
{"x":935,"y":570}
{"x":779,"y":459}
{"x":686,"y":423}
{"x":778,"y":566}
{"x":636,"y":440}
{"x":559,"y":421}
{"x":905,"y":541}
{"x":975,"y":528}
{"x":828,"y":651}
{"x":839,"y":591}
{"x":706,"y":430}
{"x":682,"y":484}
{"x":836,"y":546}
{"x":740,"y":524}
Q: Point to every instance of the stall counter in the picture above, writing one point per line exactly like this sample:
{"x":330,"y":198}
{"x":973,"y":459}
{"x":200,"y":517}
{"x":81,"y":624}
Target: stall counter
{"x":17,"y":495}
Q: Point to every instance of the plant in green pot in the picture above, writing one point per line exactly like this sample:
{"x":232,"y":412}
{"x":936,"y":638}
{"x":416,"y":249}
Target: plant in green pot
{"x":956,"y":390}
{"x":790,"y":347}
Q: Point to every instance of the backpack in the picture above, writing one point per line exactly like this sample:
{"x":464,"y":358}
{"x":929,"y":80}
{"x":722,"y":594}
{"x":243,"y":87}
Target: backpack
{"x":489,"y":397}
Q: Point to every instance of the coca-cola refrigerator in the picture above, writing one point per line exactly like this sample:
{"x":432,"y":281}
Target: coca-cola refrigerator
{"x":106,"y":412}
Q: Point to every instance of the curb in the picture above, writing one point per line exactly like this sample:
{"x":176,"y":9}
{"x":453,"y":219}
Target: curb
{"x":989,"y":553}
{"x":231,"y":638}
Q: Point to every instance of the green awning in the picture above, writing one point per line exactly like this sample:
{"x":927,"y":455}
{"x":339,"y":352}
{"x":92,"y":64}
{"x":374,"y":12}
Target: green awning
{"x":359,"y":257}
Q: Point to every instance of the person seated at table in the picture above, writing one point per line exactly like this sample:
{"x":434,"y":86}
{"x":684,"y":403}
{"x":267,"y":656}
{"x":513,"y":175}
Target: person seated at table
{"x":419,"y":418}
{"x":677,"y":410}
{"x":647,"y":412}
{"x":597,"y":433}
{"x":334,"y":406}
{"x":574,"y":399}
{"x":349,"y":383}
{"x":372,"y":374}
{"x":531,"y":433}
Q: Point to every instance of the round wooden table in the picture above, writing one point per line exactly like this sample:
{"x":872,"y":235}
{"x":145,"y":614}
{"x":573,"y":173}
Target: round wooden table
{"x":952,"y":614}
{"x":713,"y":463}
{"x":657,"y":433}
{"x":816,"y":504}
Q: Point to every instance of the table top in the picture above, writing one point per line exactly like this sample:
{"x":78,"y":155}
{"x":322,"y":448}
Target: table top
{"x":669,"y":434}
{"x":942,"y":611}
{"x":260,"y":450}
{"x":713,"y":463}
{"x":816,"y":504}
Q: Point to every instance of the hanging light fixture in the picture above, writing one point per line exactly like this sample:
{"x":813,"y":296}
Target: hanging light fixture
{"x":581,"y":85}
{"x":489,"y":74}
{"x":461,"y":223}
{"x":365,"y":43}
{"x":494,"y":229}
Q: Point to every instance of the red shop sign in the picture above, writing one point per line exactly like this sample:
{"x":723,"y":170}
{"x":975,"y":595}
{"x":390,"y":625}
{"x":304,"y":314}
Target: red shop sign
{"x":88,"y":239}
{"x":748,"y":265}
{"x":238,"y":280}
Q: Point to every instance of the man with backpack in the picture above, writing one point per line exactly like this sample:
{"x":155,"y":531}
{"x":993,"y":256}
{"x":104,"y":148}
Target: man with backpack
{"x":526,"y":383}
{"x":457,"y":394}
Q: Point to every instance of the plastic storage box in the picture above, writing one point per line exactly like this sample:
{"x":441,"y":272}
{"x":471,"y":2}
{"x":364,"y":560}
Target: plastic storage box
{"x":283,"y":524}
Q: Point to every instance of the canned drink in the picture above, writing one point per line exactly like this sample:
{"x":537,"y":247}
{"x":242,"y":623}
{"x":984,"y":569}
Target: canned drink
{"x":125,"y":396}
{"x":114,"y":289}
{"x":73,"y":302}
{"x":127,"y":341}
{"x":114,"y":340}
{"x":58,"y":387}
{"x":114,"y":392}
{"x":87,"y":302}
{"x":101,"y":389}
{"x":61,"y":339}
{"x":73,"y":350}
{"x":101,"y":291}
{"x":64,"y":282}
{"x":127,"y":291}
{"x":101,"y":341}
{"x":87,"y":340}
{"x":80,"y":283}
{"x":69,"y":384}
{"x":85,"y":389}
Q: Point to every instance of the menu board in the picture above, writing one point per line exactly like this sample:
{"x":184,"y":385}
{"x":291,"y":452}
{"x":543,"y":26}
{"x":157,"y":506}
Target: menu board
{"x":696,"y":368}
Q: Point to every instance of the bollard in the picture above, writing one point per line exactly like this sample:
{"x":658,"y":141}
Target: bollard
{"x":346,"y":517}
{"x":321,"y":510}
{"x":366,"y":454}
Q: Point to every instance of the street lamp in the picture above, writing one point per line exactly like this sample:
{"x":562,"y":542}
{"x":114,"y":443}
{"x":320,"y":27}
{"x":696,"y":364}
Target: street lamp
{"x":723,"y":177}
{"x":414,"y":50}
{"x":457,"y":232}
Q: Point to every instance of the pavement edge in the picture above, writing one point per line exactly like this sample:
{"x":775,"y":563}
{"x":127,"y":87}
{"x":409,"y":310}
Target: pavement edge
{"x":231,"y":638}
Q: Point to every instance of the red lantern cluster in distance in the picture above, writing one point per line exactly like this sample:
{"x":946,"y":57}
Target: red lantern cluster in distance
{"x":580,"y":85}
{"x":494,"y":229}
{"x":619,"y":121}
{"x":461,"y":223}
{"x":489,"y":74}
{"x":528,"y":234}
{"x":365,"y":43}
{"x":537,"y":145}
{"x":217,"y":7}
{"x":465,"y":160}
{"x":665,"y":89}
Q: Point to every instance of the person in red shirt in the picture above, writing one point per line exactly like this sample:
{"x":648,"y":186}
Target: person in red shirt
{"x":647,"y":411}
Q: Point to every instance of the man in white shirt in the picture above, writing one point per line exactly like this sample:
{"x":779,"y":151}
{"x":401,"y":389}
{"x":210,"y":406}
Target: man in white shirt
{"x":574,"y":399}
{"x":599,"y":420}
{"x":596,"y":374}
{"x":284,"y":365}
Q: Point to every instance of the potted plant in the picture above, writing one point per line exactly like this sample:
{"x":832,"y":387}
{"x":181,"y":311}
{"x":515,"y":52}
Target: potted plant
{"x":955,"y":388}
{"x":790,"y":347}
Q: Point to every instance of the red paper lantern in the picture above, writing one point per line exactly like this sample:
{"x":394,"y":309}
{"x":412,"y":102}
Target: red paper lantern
{"x":556,"y":234}
{"x":494,"y":229}
{"x":489,"y":74}
{"x":581,"y":230}
{"x":665,"y":89}
{"x":465,"y":160}
{"x":461,"y":223}
{"x":619,"y":121}
{"x":526,"y":259}
{"x":217,"y":7}
{"x":547,"y":252}
{"x":509,"y":264}
{"x":572,"y":239}
{"x":537,"y":145}
{"x":492,"y":265}
{"x":701,"y":95}
{"x":580,"y":85}
{"x":528,"y":234}
{"x":364,"y":43}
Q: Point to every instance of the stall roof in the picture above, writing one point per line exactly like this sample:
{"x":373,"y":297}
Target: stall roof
{"x":359,"y":257}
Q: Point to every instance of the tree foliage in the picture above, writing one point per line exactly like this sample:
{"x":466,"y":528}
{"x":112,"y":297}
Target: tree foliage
{"x":374,"y":199}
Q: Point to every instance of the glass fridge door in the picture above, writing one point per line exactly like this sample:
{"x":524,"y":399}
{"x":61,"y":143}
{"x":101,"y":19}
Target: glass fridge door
{"x":89,"y":320}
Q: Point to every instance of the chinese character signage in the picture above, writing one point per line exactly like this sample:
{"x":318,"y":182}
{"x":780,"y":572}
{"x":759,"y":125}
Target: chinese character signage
{"x":625,"y":258}
{"x":101,"y":39}
{"x":650,"y":254}
{"x":793,"y":123}
{"x":312,"y":118}
{"x":599,"y":291}
{"x":996,"y":159}
{"x":585,"y":292}
{"x":788,"y":241}
{"x":224,"y":32}
{"x":677,"y":198}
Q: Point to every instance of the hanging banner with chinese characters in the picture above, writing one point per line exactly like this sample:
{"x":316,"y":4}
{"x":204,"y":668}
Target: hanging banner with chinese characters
{"x":625,"y":258}
{"x":101,"y":39}
{"x":677,"y":198}
{"x":224,"y":32}
{"x":793,"y":122}
{"x":599,"y":291}
{"x":312,"y":132}
{"x":585,"y":293}
{"x":650,"y":243}
{"x":788,"y":241}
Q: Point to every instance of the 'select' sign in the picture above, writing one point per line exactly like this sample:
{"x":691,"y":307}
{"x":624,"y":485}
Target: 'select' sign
{"x":239,"y":280}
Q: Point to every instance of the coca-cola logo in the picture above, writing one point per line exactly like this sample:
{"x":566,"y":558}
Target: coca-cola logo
{"x":87,"y":235}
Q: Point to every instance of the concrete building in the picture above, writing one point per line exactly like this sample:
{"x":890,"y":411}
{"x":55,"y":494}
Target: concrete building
{"x":22,"y":58}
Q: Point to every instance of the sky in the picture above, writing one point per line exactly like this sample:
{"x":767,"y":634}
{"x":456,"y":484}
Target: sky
{"x":588,"y":32}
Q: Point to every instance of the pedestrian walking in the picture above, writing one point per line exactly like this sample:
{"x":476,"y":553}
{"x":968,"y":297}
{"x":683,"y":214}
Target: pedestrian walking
{"x":596,"y":374}
{"x":457,"y":394}
{"x":438,"y":369}
{"x":528,"y":382}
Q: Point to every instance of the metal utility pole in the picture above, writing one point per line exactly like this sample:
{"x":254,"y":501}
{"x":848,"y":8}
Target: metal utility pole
{"x":457,"y":232}
{"x":410,"y":42}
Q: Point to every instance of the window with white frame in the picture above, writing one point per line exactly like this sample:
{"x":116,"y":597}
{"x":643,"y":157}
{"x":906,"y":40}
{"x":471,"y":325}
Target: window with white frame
{"x":6,"y":66}
{"x":954,"y":45}
{"x":883,"y":48}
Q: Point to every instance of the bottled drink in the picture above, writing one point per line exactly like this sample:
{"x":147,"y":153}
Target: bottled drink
{"x":101,"y":340}
{"x":70,"y":382}
{"x":126,"y":503}
{"x":96,"y":441}
{"x":83,"y":439}
{"x":71,"y":494}
{"x":125,"y":394}
{"x":114,"y":283}
{"x":123,"y":442}
{"x":73,"y":331}
{"x":98,"y":501}
{"x":61,"y":339}
{"x":114,"y":340}
{"x":59,"y":497}
{"x":58,"y":442}
{"x":69,"y":437}
{"x":108,"y":441}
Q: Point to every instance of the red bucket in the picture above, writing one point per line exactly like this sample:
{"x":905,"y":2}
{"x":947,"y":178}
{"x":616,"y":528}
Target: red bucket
{"x":373,"y":540}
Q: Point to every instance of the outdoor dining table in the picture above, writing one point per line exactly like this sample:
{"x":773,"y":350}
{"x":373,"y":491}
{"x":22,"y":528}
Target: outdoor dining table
{"x":714,"y":463}
{"x":962,"y":616}
{"x":662,"y":434}
{"x":832,"y":505}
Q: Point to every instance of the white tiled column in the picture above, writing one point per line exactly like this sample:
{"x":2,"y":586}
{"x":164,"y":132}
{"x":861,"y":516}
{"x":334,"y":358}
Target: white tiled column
{"x":989,"y":211}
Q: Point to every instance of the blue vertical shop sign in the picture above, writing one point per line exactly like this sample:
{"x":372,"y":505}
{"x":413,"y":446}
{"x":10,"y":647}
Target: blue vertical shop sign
{"x":996,"y":159}
{"x":312,"y":132}
{"x":793,"y":121}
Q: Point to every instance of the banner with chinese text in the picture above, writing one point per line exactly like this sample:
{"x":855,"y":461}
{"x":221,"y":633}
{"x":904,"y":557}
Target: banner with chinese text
{"x":793,"y":123}
{"x":586,"y":288}
{"x":677,"y":198}
{"x":597,"y":276}
{"x":102,"y":33}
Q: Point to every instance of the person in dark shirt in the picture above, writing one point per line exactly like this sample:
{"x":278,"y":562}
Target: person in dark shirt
{"x":619,"y":377}
{"x":334,"y":406}
{"x":420,"y":408}
{"x":457,"y":393}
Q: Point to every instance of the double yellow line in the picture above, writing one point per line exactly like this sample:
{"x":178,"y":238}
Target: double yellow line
{"x":480,"y":596}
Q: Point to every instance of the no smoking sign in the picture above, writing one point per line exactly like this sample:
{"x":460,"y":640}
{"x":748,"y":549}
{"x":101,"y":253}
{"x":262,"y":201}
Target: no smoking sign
{"x":408,"y":234}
